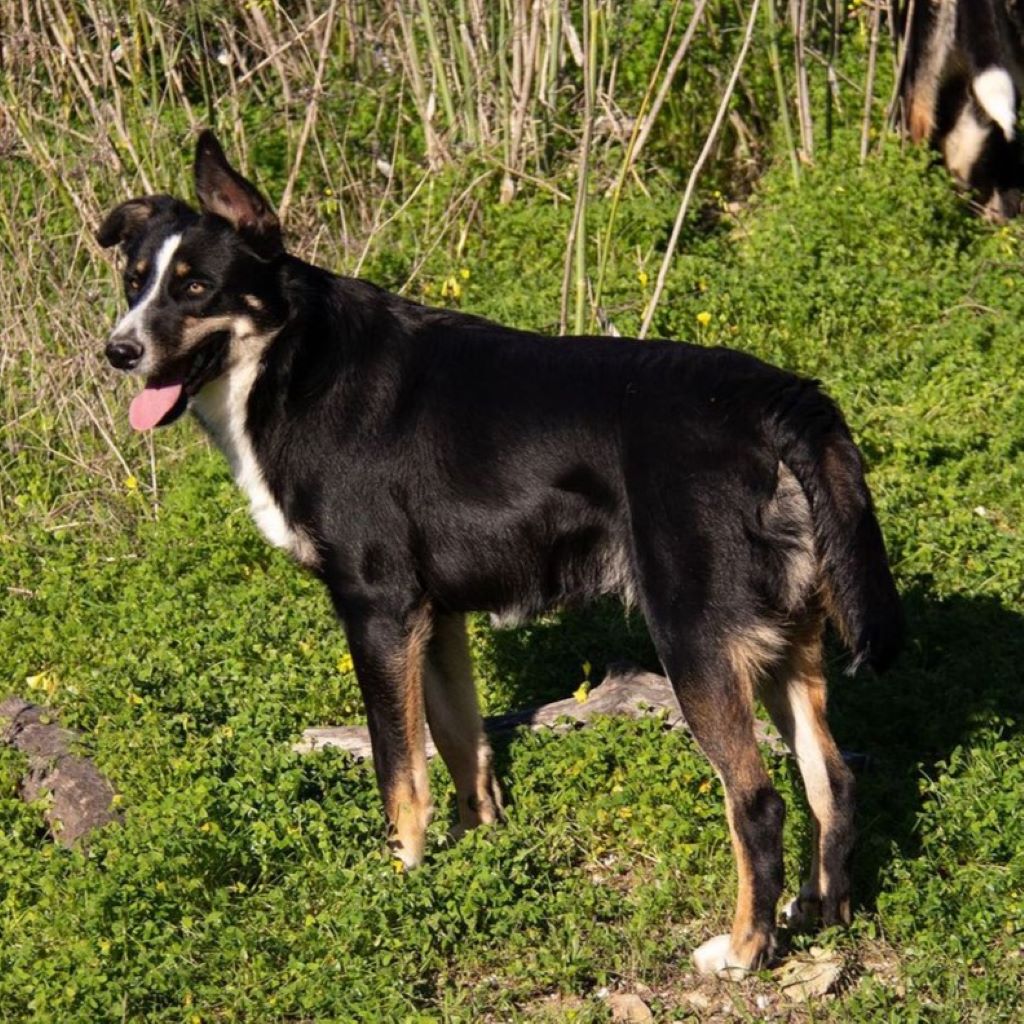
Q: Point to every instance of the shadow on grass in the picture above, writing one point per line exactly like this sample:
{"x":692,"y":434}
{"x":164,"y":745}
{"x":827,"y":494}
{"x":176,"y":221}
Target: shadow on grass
{"x":959,"y":674}
{"x":544,"y":660}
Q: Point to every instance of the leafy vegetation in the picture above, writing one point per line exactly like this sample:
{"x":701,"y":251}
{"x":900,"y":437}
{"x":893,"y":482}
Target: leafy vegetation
{"x":248,"y":883}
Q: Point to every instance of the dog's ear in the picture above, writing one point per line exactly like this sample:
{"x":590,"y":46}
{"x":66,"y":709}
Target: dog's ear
{"x":126,"y":222}
{"x":224,"y":192}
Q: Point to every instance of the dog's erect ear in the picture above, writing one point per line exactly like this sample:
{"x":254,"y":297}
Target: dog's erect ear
{"x":224,"y":192}
{"x":124,"y":223}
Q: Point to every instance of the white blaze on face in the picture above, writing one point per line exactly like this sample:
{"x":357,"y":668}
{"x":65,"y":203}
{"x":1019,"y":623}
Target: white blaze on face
{"x":994,"y":91}
{"x":133,"y":324}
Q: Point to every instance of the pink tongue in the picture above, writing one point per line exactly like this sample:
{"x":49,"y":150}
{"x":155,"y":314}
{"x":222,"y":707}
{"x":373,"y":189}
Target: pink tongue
{"x":149,"y":408}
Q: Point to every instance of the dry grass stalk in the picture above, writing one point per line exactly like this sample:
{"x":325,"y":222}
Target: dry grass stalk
{"x":691,"y":183}
{"x":803,"y":96}
{"x":646,"y":121}
{"x":311,"y":111}
{"x":869,"y":85}
{"x":780,"y":89}
{"x":575,"y":246}
{"x":894,"y":112}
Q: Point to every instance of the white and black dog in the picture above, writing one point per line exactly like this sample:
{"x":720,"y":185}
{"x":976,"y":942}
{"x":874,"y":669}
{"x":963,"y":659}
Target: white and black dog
{"x":425,"y":463}
{"x":962,"y":83}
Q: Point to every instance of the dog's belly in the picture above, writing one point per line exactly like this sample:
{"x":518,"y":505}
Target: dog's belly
{"x":517,"y":578}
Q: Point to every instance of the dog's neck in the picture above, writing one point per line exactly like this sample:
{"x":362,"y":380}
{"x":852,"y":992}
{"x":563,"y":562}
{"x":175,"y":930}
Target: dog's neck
{"x":222,"y":409}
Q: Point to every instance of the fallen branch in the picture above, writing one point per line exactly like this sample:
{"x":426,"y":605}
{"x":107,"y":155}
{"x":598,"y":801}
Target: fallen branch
{"x":82,"y":798}
{"x":625,"y":691}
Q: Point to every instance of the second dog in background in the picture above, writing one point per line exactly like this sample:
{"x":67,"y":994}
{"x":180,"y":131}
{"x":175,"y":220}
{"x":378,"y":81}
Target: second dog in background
{"x":962,"y":83}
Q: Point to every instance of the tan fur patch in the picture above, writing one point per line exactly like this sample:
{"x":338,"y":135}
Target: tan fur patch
{"x":455,"y":724}
{"x":724,"y":728}
{"x":752,"y":650}
{"x":750,"y":944}
{"x":195,"y":329}
{"x":797,"y":700}
{"x":181,"y":268}
{"x":791,"y":511}
{"x":921,"y":120}
{"x":407,"y":798}
{"x":936,"y":64}
{"x":253,"y":302}
{"x":141,"y":267}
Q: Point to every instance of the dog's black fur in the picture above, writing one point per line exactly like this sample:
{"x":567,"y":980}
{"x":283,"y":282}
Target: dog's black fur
{"x":425,"y":463}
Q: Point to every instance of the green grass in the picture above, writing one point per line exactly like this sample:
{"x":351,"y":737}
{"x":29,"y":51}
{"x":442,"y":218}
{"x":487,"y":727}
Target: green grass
{"x":247,"y":883}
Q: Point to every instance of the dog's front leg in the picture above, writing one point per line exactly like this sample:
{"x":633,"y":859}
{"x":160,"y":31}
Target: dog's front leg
{"x":388,"y":652}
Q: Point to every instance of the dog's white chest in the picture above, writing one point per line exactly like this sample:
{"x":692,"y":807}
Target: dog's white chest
{"x":221,"y":408}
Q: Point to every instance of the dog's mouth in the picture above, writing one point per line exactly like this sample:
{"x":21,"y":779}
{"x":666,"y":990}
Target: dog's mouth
{"x":165,"y":398}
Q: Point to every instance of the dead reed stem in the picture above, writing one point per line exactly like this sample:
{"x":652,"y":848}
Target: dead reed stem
{"x":691,"y":183}
{"x":869,"y":85}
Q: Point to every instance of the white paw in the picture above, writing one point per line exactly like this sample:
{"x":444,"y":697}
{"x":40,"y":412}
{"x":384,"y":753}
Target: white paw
{"x":792,"y":913}
{"x":716,"y":957}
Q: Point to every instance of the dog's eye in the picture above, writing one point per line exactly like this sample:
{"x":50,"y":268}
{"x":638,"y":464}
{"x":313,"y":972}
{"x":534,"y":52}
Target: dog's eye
{"x":195,"y":288}
{"x":133,"y":284}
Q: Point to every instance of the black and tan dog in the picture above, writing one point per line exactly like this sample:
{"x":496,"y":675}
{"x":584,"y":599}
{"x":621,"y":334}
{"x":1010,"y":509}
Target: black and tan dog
{"x":962,"y":83}
{"x":425,"y":463}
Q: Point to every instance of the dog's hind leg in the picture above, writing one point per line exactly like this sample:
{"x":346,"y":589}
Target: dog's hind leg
{"x":455,"y":724}
{"x":716,"y":697}
{"x":795,"y":696}
{"x":389,"y":654}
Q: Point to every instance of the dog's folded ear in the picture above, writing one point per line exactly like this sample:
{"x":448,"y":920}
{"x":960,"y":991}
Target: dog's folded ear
{"x":225,"y":193}
{"x":125,"y":222}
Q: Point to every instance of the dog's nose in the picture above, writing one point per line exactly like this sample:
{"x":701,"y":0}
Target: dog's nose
{"x":123,"y":354}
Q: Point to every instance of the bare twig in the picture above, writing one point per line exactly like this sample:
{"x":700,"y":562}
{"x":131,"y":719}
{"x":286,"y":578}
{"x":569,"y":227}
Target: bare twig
{"x":705,"y":152}
{"x":311,"y":111}
{"x":647,"y":122}
{"x":902,"y":48}
{"x":803,"y":95}
{"x":869,"y":85}
{"x":575,"y":246}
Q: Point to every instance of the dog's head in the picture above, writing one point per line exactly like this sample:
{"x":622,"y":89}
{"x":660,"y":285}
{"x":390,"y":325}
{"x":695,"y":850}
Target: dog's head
{"x":199,"y":285}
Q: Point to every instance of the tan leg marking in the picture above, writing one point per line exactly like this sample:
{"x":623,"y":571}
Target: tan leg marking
{"x":407,"y":795}
{"x":724,"y":727}
{"x":921,"y":119}
{"x":753,"y":651}
{"x":455,"y":723}
{"x":796,"y":698}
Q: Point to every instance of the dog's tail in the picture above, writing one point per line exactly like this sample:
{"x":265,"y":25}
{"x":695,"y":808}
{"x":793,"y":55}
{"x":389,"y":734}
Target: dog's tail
{"x":812,"y":440}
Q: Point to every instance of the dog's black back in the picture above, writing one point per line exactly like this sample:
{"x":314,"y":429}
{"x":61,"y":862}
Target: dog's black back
{"x":491,"y":469}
